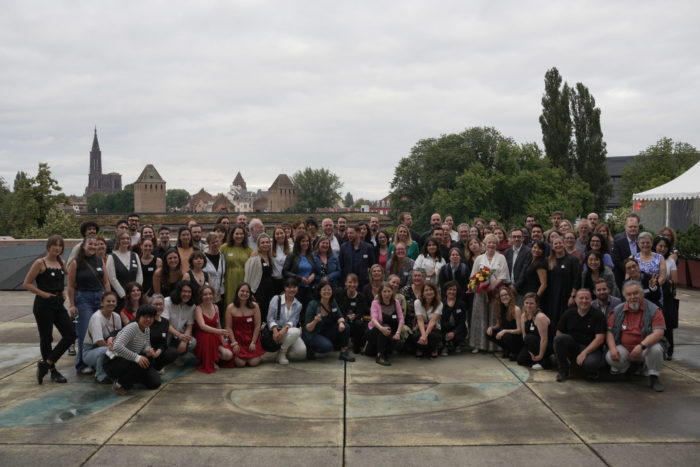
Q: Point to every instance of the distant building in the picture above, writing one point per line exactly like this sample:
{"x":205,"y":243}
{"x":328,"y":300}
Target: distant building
{"x":282,"y":194}
{"x":198,"y":202}
{"x":242,"y":199}
{"x":221,"y":204}
{"x":383,"y":206}
{"x":149,"y":191}
{"x":97,"y":181}
{"x":615,"y":166}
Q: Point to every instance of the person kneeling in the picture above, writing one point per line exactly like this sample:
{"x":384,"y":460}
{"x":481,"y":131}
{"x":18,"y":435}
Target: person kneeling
{"x":102,"y":328}
{"x":129,"y":360}
{"x":580,"y":337}
{"x":325,"y":327}
{"x":635,"y":330}
{"x":282,"y":318}
{"x":384,"y":333}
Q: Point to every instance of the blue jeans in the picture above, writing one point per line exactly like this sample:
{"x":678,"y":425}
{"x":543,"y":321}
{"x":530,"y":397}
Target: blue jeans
{"x":87,"y":302}
{"x":95,"y":358}
{"x":328,"y":339}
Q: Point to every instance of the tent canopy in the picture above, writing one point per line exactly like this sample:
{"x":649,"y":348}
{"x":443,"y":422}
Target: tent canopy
{"x":685,"y":186}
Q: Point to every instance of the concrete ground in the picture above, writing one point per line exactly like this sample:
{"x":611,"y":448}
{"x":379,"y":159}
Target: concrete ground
{"x":458,"y":410}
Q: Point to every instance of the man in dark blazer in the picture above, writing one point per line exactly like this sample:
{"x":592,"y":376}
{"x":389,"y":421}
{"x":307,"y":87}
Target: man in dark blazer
{"x":624,"y":246}
{"x":521,"y":254}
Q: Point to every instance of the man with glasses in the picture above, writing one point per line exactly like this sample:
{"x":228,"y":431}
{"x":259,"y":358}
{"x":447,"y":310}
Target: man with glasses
{"x":518,"y":258}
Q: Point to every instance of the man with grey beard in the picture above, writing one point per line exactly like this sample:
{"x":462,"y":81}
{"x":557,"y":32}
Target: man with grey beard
{"x":635,"y":330}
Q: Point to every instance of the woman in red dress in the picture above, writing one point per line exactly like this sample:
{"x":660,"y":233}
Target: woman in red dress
{"x":243,"y":321}
{"x":212,"y":342}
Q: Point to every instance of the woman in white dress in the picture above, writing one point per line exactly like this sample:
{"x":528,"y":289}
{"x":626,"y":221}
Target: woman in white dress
{"x":482,"y":317}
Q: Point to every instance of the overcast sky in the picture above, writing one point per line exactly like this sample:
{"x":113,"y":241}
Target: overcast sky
{"x":204,"y":89}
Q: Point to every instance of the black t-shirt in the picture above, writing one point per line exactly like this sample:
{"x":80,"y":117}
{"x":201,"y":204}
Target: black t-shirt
{"x":159,"y":334}
{"x":582,"y":328}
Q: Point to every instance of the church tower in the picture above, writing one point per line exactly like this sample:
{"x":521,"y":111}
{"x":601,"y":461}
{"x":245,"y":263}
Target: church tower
{"x":97,"y":181}
{"x":95,"y":175}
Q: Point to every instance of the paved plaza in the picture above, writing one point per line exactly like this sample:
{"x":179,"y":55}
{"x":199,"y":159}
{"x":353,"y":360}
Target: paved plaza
{"x":458,"y":410}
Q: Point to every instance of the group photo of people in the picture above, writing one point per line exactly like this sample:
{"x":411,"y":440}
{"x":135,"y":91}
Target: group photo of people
{"x":567,"y":296}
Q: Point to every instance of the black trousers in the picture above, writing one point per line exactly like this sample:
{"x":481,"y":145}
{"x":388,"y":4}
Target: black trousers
{"x":358,"y":333}
{"x":166,"y":357}
{"x":379,"y":344}
{"x":434,"y":340}
{"x":50,"y":312}
{"x":457,"y":339}
{"x":567,"y":349}
{"x":127,"y":373}
{"x":511,"y":343}
{"x":531,"y":343}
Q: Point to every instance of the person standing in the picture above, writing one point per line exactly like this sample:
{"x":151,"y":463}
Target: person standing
{"x":356,"y":256}
{"x":49,"y":274}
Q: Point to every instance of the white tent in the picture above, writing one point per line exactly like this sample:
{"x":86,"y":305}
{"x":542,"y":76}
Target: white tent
{"x":683,"y":188}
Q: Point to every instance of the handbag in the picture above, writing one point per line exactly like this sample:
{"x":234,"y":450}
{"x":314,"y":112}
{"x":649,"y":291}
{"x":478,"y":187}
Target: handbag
{"x":266,"y":336}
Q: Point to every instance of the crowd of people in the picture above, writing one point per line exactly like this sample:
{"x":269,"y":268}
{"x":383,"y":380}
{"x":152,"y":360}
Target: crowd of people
{"x":570,"y":295}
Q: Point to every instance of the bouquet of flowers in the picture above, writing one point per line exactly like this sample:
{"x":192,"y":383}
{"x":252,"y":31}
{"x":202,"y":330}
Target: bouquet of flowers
{"x":479,"y":281}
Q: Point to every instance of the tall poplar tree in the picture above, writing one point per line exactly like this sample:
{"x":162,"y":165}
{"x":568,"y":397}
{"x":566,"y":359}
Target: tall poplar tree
{"x":556,"y":121}
{"x":588,"y":147}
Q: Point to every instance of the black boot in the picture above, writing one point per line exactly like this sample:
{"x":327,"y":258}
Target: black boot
{"x":345,"y":356}
{"x":382,"y":361}
{"x":57,"y":377}
{"x":41,"y":369}
{"x":655,"y":384}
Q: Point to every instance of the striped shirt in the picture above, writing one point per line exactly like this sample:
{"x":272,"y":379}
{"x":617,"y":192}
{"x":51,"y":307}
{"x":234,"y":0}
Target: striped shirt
{"x":131,"y":342}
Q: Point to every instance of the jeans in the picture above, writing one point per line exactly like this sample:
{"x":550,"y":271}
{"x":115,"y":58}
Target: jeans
{"x":328,"y":339}
{"x":87,"y":302}
{"x":652,"y":358}
{"x":95,"y":357}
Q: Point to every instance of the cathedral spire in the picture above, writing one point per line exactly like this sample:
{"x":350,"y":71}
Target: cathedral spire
{"x":95,"y":144}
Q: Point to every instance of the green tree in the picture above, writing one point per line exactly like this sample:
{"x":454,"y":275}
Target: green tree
{"x":121,"y":202}
{"x":656,"y":165}
{"x":348,"y":201}
{"x":28,"y":205}
{"x":316,"y":188}
{"x":436,"y":163}
{"x":5,"y":199}
{"x":58,"y":222}
{"x":589,"y":148}
{"x":176,"y":197}
{"x":556,"y":121}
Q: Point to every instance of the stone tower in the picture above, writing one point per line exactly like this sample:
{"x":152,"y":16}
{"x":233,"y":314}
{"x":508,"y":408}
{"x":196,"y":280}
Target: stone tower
{"x":282,"y":194}
{"x":97,"y":181}
{"x":149,"y":191}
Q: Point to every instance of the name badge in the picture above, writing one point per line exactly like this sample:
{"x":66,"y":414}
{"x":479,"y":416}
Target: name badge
{"x":364,"y":256}
{"x":563,"y":266}
{"x":150,"y":269}
{"x":458,"y":311}
{"x":134,"y":264}
{"x":334,"y":310}
{"x":249,"y":320}
{"x":98,"y":269}
{"x":163,"y":334}
{"x":53,"y":273}
{"x":353,"y":303}
{"x":624,"y":327}
{"x":230,"y":254}
{"x":405,"y":273}
{"x":532,"y":327}
{"x":393,"y":316}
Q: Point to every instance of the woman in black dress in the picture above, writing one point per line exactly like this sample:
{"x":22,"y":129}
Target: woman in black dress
{"x":536,"y":341}
{"x":536,"y":272}
{"x":149,"y":264}
{"x":258,"y":274}
{"x":563,"y":279}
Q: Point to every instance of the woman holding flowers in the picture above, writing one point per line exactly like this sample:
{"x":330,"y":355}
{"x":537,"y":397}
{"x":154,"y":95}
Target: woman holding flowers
{"x":488,"y":273}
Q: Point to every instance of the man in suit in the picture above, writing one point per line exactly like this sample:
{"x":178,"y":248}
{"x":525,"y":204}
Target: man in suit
{"x":624,"y":246}
{"x":518,"y":258}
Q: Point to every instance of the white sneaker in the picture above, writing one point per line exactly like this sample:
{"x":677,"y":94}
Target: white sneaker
{"x":537,"y":366}
{"x":161,"y":371}
{"x":444,"y":353}
{"x":282,"y":359}
{"x":475,"y":351}
{"x":88,"y":370}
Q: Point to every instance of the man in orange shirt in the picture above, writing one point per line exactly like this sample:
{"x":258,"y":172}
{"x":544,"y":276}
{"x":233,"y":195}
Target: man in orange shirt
{"x":635,"y":330}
